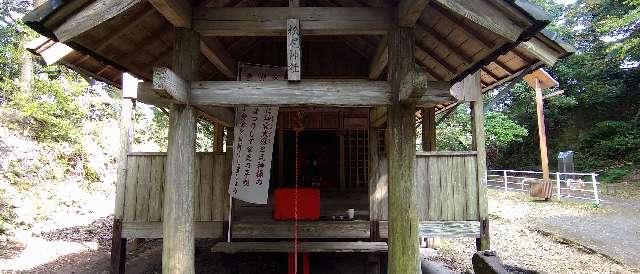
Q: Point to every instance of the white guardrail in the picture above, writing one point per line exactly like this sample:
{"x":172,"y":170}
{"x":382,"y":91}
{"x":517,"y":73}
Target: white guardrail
{"x":566,"y":185}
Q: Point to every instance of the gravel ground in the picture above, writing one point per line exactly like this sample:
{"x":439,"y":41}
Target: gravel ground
{"x":516,"y":236}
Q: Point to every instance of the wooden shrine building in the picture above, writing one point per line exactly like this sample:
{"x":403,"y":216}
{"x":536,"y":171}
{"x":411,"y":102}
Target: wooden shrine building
{"x":358,"y":74}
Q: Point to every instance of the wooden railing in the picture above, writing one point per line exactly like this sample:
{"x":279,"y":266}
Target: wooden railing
{"x":449,"y":186}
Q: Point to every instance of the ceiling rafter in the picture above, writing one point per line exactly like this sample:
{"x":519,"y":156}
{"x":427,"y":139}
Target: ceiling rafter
{"x":179,"y":13}
{"x":504,"y":66}
{"x":442,"y":62}
{"x":422,"y":29}
{"x":102,"y":44}
{"x":466,"y":29}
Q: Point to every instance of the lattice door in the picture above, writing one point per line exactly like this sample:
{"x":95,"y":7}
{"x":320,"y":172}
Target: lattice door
{"x":356,"y":158}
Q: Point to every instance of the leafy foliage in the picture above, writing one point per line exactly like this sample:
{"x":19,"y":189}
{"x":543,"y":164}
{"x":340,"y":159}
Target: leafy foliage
{"x":455,"y":132}
{"x":50,"y":107}
{"x":597,"y":117}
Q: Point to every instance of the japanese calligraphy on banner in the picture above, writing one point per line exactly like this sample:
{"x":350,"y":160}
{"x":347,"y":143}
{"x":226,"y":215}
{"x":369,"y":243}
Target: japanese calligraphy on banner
{"x":261,"y":73}
{"x":254,"y":133}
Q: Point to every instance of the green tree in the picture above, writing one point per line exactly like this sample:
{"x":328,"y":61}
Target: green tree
{"x":597,"y":117}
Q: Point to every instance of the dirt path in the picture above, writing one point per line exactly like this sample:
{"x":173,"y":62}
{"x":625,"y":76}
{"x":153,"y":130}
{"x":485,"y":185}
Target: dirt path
{"x":516,"y":236}
{"x":529,"y":236}
{"x":615,"y":231}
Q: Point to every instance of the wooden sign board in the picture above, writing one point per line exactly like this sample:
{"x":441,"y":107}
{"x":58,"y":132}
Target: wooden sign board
{"x":469,"y":89}
{"x":546,"y":81}
{"x":294,"y":63}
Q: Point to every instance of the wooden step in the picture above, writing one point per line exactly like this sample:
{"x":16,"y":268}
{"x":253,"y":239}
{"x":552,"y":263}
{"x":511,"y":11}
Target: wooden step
{"x":313,"y":247}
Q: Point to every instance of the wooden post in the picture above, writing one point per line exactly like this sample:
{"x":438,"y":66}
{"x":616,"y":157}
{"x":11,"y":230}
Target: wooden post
{"x":119,"y":244}
{"x":404,"y":253}
{"x":178,"y":239}
{"x":428,"y":129}
{"x":218,"y":137}
{"x":473,"y":88}
{"x":544,"y":157}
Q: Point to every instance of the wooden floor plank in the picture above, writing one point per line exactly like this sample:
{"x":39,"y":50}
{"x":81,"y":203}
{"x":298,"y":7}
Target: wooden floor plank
{"x":285,"y":247}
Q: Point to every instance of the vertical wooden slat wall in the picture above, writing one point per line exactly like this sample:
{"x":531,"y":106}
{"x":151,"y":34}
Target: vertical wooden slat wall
{"x":448,"y":187}
{"x":145,"y":184}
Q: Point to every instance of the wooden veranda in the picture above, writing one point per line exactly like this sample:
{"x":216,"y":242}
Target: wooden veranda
{"x":361,"y":72}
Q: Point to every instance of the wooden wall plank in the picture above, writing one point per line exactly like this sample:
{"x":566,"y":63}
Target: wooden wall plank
{"x":197,"y":189}
{"x":435,"y":207}
{"x":143,"y":189}
{"x":219,"y":184}
{"x":157,"y":182}
{"x":471,"y":183}
{"x":459,"y":190}
{"x":206,"y":186}
{"x":130,"y":189}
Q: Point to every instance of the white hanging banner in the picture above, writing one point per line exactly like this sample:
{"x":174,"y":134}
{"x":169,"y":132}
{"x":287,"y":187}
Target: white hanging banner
{"x":254,"y":134}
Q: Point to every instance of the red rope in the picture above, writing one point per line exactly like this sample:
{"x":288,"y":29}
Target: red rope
{"x":295,"y":199}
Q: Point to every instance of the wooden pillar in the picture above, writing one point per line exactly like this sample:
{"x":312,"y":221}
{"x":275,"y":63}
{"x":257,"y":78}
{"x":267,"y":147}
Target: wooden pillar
{"x":404,"y":253}
{"x":178,"y":239}
{"x":428,"y":129}
{"x":218,"y":137}
{"x":119,"y":244}
{"x":473,"y":87}
{"x":542,"y":134}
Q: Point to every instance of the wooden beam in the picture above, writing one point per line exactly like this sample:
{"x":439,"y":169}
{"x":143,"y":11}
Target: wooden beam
{"x":409,"y":12}
{"x":404,"y":254}
{"x":55,"y":53}
{"x":160,"y":98}
{"x":178,"y":246}
{"x":271,"y":21}
{"x":337,"y":93}
{"x":91,"y":16}
{"x":174,"y":85}
{"x":102,"y":44}
{"x":484,"y":15}
{"x":413,"y":86}
{"x":504,"y":67}
{"x":220,"y":115}
{"x":423,"y":50}
{"x":541,"y":51}
{"x":214,"y":51}
{"x":445,"y":13}
{"x":285,"y":247}
{"x":422,"y":31}
{"x":178,"y":12}
{"x":380,"y":59}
